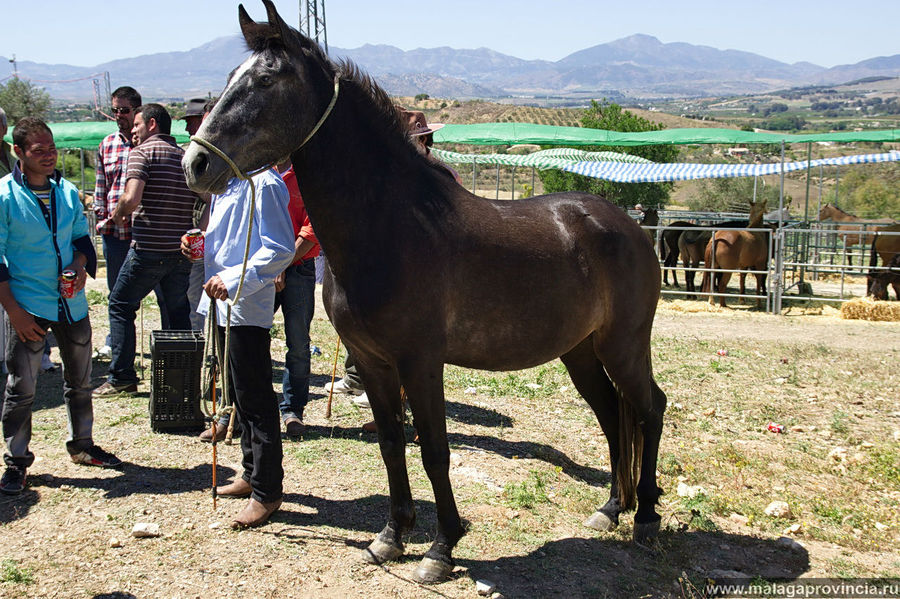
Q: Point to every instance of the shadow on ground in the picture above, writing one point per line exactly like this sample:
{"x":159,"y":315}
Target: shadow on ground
{"x":570,"y":567}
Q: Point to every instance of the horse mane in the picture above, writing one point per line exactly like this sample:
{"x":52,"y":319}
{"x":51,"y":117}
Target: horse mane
{"x":385,"y":119}
{"x":836,"y":209}
{"x":386,"y":113}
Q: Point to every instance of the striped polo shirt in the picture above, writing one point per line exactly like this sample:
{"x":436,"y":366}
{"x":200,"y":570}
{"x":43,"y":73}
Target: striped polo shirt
{"x":166,"y":208}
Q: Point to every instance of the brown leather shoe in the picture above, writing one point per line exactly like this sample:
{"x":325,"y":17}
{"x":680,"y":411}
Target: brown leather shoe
{"x":294,"y":428}
{"x":255,"y":513}
{"x":221,"y":431}
{"x":239,"y":488}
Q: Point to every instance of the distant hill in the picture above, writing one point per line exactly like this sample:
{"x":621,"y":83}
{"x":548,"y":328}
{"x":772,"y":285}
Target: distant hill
{"x":638,"y":66}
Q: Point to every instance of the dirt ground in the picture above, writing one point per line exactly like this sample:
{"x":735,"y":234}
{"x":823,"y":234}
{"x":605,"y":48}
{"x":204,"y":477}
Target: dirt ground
{"x":528,"y":465}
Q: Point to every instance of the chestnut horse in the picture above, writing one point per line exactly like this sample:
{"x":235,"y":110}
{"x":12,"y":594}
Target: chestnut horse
{"x":855,"y":234}
{"x":422,"y":273}
{"x":887,"y":247}
{"x":692,"y":245}
{"x":738,"y":250}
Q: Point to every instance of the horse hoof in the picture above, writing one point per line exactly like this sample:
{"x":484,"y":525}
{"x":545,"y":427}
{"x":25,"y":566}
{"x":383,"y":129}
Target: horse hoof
{"x":379,"y":552}
{"x":432,"y":570}
{"x":600,"y":521}
{"x":646,"y":533}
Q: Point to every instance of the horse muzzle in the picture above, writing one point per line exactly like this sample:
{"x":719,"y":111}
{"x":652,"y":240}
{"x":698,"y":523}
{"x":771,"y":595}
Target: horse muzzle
{"x":203,"y":171}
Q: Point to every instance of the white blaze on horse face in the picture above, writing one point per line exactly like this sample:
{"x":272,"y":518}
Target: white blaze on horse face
{"x":239,"y":72}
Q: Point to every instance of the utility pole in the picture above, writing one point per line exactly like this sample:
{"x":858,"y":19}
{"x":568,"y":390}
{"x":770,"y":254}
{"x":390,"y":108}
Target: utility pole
{"x":312,"y":21}
{"x":16,"y":67}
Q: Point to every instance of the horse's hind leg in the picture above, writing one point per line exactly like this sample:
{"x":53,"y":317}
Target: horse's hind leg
{"x":383,"y":390}
{"x":424,"y":384}
{"x":592,"y":382}
{"x":645,"y":404}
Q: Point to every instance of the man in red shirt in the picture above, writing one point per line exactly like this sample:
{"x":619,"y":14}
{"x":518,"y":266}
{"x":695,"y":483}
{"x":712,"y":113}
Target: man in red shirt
{"x":295,"y":293}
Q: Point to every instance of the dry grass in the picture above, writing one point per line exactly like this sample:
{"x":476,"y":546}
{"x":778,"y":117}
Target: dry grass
{"x":528,"y":466}
{"x":866,"y":308}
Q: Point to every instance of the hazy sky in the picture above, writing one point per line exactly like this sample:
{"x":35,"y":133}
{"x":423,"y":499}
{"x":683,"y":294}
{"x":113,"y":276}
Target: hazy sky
{"x":824,"y":32}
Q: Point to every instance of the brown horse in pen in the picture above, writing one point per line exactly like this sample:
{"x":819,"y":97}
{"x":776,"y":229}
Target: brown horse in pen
{"x":422,"y":273}
{"x":887,"y":247}
{"x":738,"y":250}
{"x":861,"y":232}
{"x":692,"y":245}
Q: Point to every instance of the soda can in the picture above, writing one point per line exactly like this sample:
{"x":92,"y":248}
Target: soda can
{"x":775,"y":428}
{"x":195,"y":243}
{"x":67,"y":285}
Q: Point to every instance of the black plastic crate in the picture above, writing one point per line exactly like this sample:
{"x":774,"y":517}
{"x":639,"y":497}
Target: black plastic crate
{"x":177,"y":358}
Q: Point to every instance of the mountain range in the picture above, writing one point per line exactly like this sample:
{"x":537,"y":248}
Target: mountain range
{"x":638,"y":66}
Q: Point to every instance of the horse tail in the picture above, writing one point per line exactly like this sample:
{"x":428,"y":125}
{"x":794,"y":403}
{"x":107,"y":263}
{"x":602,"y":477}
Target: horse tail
{"x":631,"y":448}
{"x":873,"y":259}
{"x":662,"y":247}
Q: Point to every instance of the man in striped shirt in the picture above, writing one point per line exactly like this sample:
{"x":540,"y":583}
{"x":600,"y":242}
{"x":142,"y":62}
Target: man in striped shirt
{"x":160,"y":206}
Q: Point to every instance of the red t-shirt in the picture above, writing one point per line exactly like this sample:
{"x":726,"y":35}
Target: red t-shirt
{"x":299,"y":217}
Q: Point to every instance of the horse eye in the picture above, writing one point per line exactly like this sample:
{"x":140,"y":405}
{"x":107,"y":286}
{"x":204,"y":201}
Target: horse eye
{"x":265,"y":80}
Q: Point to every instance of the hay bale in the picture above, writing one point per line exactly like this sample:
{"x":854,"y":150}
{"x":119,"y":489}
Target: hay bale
{"x":866,"y":308}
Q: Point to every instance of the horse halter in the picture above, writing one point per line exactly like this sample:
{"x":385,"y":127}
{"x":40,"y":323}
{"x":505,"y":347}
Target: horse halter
{"x":237,"y":172}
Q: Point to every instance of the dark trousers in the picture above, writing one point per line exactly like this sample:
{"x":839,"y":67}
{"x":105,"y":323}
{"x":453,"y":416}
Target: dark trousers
{"x":114,"y":252}
{"x":23,"y":359}
{"x":141,"y":272}
{"x":250,"y":367}
{"x":298,"y":302}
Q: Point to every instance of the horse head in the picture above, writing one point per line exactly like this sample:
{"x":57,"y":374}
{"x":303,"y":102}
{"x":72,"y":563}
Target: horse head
{"x":267,"y":107}
{"x":825,"y":212}
{"x":757,"y":212}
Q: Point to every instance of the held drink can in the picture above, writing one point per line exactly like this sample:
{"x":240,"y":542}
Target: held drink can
{"x":195,"y":242}
{"x":67,"y":285}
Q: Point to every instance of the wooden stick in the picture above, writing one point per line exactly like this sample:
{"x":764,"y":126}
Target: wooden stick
{"x":337,"y":351}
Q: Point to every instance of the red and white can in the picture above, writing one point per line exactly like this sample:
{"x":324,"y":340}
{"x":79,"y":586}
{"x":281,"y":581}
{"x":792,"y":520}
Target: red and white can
{"x":775,"y":428}
{"x":195,"y":243}
{"x":67,"y":284}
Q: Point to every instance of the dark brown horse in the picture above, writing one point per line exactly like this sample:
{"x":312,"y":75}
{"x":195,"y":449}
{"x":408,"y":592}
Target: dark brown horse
{"x":650,"y":218}
{"x":887,"y":247}
{"x":738,"y":250}
{"x":668,"y":249}
{"x":422,"y":273}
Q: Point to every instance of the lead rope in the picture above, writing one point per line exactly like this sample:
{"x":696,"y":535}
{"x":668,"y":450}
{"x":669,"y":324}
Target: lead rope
{"x":230,"y":302}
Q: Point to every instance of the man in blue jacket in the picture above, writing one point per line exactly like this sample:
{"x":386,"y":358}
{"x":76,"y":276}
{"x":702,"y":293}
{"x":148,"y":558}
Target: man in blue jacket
{"x":43,"y":232}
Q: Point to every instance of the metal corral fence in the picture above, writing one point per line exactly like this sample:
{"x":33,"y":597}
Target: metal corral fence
{"x":807,"y":263}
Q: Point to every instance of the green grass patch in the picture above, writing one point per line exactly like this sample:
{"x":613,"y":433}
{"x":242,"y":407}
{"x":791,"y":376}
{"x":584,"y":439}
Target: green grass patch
{"x":11,"y":572}
{"x":839,"y":422}
{"x":528,"y":493}
{"x":96,"y":298}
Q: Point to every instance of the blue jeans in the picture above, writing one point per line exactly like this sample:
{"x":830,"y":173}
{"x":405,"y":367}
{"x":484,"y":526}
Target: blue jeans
{"x":298,"y":303}
{"x":114,"y":252}
{"x":23,"y":358}
{"x":141,"y":272}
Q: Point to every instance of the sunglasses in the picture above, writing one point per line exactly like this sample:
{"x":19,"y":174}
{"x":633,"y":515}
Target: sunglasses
{"x":123,"y":110}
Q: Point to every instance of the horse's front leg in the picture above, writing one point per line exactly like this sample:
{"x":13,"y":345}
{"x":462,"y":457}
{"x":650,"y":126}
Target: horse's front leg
{"x":383,"y":390}
{"x":424,"y":384}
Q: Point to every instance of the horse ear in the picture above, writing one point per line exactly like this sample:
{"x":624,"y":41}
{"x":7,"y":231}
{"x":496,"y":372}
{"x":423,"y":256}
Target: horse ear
{"x":278,"y":25}
{"x":251,"y":29}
